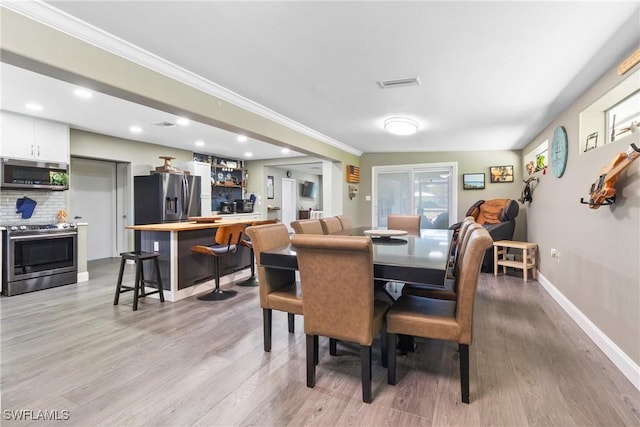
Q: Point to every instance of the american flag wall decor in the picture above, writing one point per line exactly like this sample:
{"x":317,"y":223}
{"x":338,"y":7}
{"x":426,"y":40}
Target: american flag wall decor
{"x":353,"y":174}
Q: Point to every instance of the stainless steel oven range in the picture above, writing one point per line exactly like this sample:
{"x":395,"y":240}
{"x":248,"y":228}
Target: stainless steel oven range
{"x":39,"y":257}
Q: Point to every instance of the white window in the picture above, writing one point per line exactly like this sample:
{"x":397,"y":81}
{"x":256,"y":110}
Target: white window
{"x":429,"y":190}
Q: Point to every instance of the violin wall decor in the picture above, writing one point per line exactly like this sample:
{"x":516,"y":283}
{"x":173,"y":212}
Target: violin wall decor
{"x":603,"y":191}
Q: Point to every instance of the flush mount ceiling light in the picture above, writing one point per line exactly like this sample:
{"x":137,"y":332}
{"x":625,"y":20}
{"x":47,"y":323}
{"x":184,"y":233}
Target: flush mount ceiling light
{"x":33,"y":106}
{"x":401,"y":126}
{"x":83,"y":93}
{"x":242,"y":138}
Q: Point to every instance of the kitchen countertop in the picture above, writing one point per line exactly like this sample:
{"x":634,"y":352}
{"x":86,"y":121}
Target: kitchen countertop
{"x":191,"y":225}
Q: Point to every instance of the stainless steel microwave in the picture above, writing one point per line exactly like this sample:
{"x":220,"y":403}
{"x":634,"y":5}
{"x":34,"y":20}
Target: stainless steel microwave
{"x":32,"y":174}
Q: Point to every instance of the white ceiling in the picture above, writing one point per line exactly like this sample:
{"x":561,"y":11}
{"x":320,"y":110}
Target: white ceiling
{"x":493,"y":74}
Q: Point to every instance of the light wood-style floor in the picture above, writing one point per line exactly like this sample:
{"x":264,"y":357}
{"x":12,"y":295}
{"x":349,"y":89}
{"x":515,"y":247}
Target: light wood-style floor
{"x":202,"y":363}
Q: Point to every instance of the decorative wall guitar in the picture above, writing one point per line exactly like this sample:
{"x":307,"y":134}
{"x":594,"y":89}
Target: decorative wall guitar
{"x":603,"y":191}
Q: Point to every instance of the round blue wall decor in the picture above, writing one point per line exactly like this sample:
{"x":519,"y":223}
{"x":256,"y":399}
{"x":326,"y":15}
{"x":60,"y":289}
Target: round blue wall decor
{"x":559,"y":151}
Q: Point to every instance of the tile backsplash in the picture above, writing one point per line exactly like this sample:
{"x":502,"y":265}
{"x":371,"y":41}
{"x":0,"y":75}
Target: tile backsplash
{"x":48,"y":205}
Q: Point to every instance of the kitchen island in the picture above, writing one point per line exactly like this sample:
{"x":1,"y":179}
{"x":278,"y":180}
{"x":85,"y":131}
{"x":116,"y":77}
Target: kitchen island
{"x":183,"y":273}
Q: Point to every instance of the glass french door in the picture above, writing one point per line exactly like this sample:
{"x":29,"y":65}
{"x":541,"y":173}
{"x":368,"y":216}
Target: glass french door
{"x":428,"y":190}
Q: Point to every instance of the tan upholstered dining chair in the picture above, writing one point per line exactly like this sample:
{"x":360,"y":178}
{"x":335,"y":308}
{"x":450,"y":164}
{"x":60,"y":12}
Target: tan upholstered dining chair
{"x":441,"y":319}
{"x":449,"y":291}
{"x":331,"y":225}
{"x":408,"y":223}
{"x":278,"y":288}
{"x":338,"y":301}
{"x":345,"y":222}
{"x":307,"y":226}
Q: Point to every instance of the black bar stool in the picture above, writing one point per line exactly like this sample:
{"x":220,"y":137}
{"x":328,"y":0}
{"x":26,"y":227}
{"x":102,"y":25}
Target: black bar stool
{"x":139,"y":285}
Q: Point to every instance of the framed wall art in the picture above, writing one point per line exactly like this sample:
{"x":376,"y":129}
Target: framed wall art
{"x":473,"y":181}
{"x":270,"y":187}
{"x":501,"y":173}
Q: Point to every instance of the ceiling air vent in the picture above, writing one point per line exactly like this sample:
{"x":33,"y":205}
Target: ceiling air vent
{"x":387,"y":84}
{"x":164,"y":124}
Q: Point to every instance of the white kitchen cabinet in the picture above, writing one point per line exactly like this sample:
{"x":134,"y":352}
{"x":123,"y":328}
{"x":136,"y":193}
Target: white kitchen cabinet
{"x":24,"y":137}
{"x":205,"y":204}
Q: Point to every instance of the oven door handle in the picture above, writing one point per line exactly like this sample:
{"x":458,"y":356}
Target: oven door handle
{"x":42,"y":236}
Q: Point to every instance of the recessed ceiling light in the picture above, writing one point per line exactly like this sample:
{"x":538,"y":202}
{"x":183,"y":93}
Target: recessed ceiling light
{"x":83,"y":93}
{"x":135,"y":129}
{"x":33,"y":106}
{"x":285,"y":151}
{"x":248,"y":154}
{"x":401,"y":126}
{"x":242,"y":138}
{"x":182,"y":121}
{"x":200,"y":143}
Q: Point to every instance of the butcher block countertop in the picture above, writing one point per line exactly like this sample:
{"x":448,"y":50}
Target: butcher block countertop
{"x":191,"y":225}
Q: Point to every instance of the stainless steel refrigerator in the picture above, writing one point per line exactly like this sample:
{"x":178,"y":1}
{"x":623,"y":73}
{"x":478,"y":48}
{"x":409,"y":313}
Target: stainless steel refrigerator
{"x":165,"y":197}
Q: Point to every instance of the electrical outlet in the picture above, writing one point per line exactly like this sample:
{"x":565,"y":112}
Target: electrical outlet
{"x":156,"y":246}
{"x":554,"y":252}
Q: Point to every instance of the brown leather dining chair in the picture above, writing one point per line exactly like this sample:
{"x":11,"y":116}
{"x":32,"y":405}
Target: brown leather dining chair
{"x":227,"y":240}
{"x":338,"y":301}
{"x":331,"y":225}
{"x":441,"y":319}
{"x":307,"y":226}
{"x":278,"y":288}
{"x":449,"y":291}
{"x":345,"y":222}
{"x":408,"y":223}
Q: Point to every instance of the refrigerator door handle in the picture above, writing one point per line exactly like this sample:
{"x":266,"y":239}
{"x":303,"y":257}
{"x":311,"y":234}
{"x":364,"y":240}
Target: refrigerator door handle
{"x":186,"y":196}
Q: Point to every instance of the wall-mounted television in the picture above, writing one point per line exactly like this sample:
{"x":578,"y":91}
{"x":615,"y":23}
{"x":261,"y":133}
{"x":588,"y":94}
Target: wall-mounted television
{"x":309,"y":189}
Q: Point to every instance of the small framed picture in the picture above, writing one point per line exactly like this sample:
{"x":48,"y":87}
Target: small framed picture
{"x":473,"y":181}
{"x":501,"y":173}
{"x":270,"y":187}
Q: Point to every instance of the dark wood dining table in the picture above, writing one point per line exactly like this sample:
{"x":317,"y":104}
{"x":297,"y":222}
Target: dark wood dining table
{"x":413,"y":259}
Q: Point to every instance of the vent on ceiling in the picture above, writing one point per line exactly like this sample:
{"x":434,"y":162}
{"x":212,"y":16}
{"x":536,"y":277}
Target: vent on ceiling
{"x":164,"y":124}
{"x":387,"y":84}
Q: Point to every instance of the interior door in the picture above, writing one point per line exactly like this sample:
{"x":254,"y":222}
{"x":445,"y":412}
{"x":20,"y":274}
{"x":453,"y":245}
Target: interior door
{"x":93,"y":200}
{"x":289,"y":201}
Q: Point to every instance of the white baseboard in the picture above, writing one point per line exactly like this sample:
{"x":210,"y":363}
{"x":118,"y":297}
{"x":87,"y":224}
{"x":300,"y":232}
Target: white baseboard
{"x":619,"y":358}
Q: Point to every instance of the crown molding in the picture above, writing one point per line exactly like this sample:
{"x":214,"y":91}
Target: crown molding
{"x":70,"y":25}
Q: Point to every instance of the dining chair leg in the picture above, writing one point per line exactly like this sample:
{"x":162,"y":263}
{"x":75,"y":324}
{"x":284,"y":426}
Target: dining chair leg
{"x":266,"y":326}
{"x":311,"y":365}
{"x":292,"y":322}
{"x":391,"y":359}
{"x":365,"y":372}
{"x":316,"y":350}
{"x":333,"y":346}
{"x":384,"y":348}
{"x":464,"y":371}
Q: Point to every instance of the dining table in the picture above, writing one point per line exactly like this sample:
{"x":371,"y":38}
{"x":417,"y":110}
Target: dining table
{"x":416,"y":259}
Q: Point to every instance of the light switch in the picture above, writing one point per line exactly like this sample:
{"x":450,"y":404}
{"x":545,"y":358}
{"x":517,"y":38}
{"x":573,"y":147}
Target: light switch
{"x":367,"y":198}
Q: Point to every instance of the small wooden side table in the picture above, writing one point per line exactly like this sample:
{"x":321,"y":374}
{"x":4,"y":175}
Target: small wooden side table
{"x":528,"y":257}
